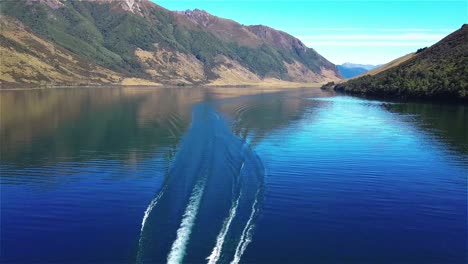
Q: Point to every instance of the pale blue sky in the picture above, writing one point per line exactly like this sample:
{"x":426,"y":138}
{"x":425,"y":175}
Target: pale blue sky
{"x":365,"y":31}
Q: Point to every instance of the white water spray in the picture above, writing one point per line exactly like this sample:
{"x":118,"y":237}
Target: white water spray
{"x":216,"y":253}
{"x":246,"y":236}
{"x":177,"y":253}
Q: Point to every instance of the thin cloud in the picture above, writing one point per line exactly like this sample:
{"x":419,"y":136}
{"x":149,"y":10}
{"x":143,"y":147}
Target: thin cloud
{"x":375,"y":1}
{"x":367,"y":43}
{"x":371,"y":37}
{"x":332,"y":29}
{"x":416,"y":30}
{"x":402,"y":30}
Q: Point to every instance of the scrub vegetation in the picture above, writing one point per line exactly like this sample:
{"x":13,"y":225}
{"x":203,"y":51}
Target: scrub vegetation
{"x":440,"y":71}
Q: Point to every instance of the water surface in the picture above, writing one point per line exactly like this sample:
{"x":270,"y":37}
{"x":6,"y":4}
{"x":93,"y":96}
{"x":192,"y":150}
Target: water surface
{"x":134,"y":175}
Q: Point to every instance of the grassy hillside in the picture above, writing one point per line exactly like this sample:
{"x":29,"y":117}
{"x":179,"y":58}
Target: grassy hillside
{"x":26,"y":57}
{"x":162,"y":46}
{"x":389,"y":65}
{"x":439,"y":72}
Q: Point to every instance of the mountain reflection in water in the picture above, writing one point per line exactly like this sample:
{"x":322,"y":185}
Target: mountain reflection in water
{"x":221,"y":175}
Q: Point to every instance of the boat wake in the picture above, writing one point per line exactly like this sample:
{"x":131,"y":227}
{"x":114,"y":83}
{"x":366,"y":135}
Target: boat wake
{"x":207,"y":208}
{"x":183,"y":234}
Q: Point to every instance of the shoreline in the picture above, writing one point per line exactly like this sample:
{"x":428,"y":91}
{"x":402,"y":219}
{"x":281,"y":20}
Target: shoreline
{"x":20,"y":87}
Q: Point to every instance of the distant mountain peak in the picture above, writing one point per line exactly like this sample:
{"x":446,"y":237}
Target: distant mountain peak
{"x":190,"y":47}
{"x":198,"y":16}
{"x":357,"y":65}
{"x":195,"y":11}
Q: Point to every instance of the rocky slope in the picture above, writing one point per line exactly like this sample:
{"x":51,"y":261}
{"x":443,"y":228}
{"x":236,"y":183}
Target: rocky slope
{"x":438,"y":72}
{"x":138,"y":40}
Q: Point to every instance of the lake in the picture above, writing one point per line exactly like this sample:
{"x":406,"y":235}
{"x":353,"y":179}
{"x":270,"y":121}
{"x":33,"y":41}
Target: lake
{"x":230,"y":175}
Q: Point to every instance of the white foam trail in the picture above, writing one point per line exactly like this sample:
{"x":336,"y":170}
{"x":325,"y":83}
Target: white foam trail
{"x":177,"y":253}
{"x":145,"y":217}
{"x":246,"y":236}
{"x":151,"y":206}
{"x":216,"y":253}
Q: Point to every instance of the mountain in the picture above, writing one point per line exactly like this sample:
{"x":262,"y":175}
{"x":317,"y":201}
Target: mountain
{"x":349,"y":70}
{"x":437,"y":72}
{"x":367,"y":67}
{"x":27,"y":58}
{"x":389,"y":65}
{"x":139,"y":42}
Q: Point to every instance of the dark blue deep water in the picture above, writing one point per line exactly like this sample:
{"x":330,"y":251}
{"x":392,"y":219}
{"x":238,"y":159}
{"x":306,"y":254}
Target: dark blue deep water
{"x":139,"y":175}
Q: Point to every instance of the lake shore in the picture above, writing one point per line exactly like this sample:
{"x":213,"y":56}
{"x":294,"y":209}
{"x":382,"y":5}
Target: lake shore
{"x":276,"y":85}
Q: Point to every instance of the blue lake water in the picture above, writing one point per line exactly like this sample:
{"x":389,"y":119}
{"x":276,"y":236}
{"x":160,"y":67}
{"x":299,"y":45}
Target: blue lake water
{"x":138,"y":175}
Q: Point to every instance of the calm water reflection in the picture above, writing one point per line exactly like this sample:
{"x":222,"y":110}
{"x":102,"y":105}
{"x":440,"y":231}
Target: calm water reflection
{"x":344,"y":179}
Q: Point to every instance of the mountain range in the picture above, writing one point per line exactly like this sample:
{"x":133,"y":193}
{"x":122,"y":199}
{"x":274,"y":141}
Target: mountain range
{"x":436,"y":72}
{"x":138,"y":42}
{"x":349,"y":70}
{"x":363,"y":66}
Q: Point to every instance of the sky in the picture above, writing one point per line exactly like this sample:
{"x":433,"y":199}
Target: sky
{"x":357,"y":31}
